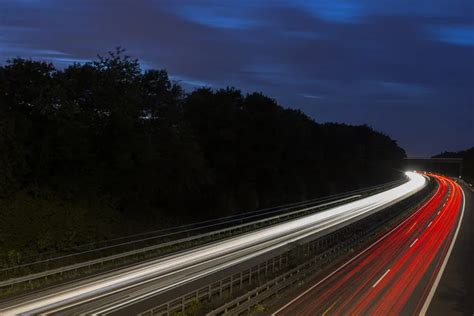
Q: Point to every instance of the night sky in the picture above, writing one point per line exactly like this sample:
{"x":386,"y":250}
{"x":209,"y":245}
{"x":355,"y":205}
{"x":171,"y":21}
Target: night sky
{"x":404,"y":67}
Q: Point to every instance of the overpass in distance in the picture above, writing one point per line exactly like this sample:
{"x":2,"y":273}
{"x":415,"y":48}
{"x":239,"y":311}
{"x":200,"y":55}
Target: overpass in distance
{"x":138,"y":288}
{"x":448,"y":166}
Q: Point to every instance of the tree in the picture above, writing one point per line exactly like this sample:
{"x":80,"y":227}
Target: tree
{"x":103,"y":148}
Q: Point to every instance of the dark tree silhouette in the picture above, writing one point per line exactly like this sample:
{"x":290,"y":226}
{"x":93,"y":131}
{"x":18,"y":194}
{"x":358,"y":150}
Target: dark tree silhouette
{"x":103,"y":149}
{"x":468,"y":161}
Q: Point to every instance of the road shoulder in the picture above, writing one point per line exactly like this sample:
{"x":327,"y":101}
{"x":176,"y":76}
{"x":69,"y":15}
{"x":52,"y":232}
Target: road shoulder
{"x":456,"y":288}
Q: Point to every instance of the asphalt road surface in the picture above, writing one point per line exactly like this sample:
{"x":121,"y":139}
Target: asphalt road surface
{"x":110,"y":293}
{"x":455,"y":292}
{"x":399,"y":273}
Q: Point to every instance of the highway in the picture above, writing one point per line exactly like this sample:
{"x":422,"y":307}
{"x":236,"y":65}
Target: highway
{"x":455,"y":290}
{"x":111,"y":292}
{"x":398,"y":273}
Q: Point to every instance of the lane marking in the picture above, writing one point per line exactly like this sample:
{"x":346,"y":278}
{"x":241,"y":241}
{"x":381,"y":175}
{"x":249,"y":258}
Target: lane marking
{"x":330,"y":307}
{"x":430,"y":223}
{"x":411,"y":227}
{"x":357,"y":256}
{"x":380,"y":279}
{"x":413,"y":242}
{"x":445,"y":262}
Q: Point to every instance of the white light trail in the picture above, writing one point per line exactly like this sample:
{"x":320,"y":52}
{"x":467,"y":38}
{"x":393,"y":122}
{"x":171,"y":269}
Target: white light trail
{"x":216,"y":256}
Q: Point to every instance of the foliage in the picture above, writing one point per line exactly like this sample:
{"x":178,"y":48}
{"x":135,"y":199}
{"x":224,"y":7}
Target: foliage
{"x":468,"y":161}
{"x":103,"y":149}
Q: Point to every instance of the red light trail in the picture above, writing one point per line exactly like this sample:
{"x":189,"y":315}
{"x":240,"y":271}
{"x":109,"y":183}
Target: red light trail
{"x":395,"y":274}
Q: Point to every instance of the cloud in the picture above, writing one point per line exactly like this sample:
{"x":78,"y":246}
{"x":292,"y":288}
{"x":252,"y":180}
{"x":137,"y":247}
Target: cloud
{"x":403,"y":89}
{"x":389,"y":63}
{"x":217,"y":15}
{"x":311,"y":96}
{"x":343,"y":11}
{"x":190,"y":83}
{"x":458,"y":35}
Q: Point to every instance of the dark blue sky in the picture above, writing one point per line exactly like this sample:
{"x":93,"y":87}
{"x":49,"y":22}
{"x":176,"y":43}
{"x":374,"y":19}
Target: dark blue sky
{"x":403,"y":67}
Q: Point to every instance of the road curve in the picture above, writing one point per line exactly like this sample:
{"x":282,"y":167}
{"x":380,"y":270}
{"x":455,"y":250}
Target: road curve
{"x":397,"y":274}
{"x":114,"y":291}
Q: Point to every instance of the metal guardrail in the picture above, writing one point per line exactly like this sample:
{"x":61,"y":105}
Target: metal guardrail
{"x":225,"y":231}
{"x":86,"y":264}
{"x":237,"y":217}
{"x":248,"y":301}
{"x":253,"y":297}
{"x":221,"y":287}
{"x":467,"y":184}
{"x":239,"y":281}
{"x":188,"y":228}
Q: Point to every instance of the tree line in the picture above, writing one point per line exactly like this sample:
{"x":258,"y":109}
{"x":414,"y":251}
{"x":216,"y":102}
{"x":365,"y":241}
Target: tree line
{"x":102,"y":149}
{"x":468,"y":161}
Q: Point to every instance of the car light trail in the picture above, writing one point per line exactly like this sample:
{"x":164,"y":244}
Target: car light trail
{"x":188,"y":266}
{"x":400,"y":264}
